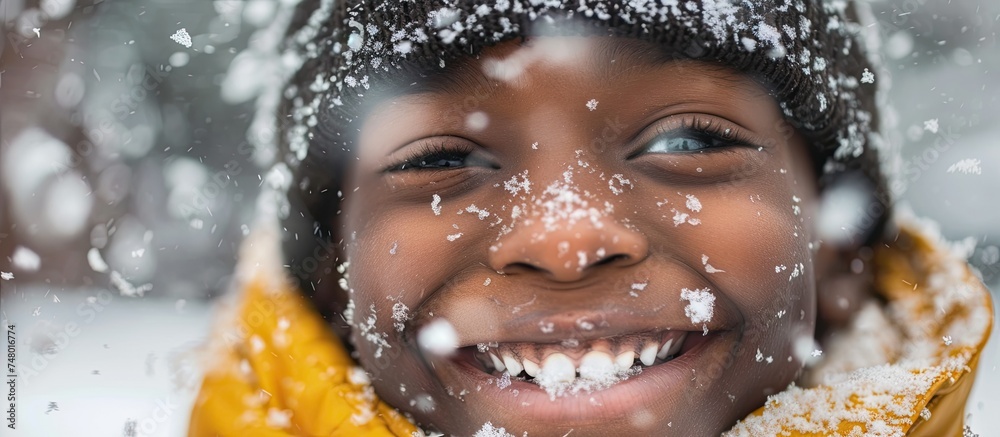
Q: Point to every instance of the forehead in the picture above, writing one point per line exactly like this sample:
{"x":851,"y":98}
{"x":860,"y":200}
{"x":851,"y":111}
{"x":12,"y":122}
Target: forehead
{"x":605,"y":60}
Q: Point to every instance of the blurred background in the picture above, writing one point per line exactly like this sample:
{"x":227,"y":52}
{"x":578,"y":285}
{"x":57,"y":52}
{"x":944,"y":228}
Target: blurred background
{"x":128,"y":183}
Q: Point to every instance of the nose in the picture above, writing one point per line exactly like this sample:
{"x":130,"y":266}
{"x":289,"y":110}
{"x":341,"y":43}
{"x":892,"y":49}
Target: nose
{"x":568,"y":250}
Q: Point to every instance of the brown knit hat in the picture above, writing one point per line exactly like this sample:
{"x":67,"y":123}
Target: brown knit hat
{"x":807,"y":53}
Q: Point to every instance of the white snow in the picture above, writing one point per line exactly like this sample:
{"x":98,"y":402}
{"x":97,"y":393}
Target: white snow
{"x":438,"y":338}
{"x":621,"y":181}
{"x":967,"y":166}
{"x":400,"y":313}
{"x":6,"y":276}
{"x":96,"y":261}
{"x":436,"y":204}
{"x":693,"y":203}
{"x":182,"y":37}
{"x":488,"y":430}
{"x":708,"y":267}
{"x":701,"y":304}
{"x":477,"y":121}
{"x":867,"y":77}
{"x":931,"y":125}
{"x":515,"y":186}
{"x":125,"y":288}
{"x":592,"y":104}
{"x":26,"y":259}
{"x":481,"y":213}
{"x":556,"y":387}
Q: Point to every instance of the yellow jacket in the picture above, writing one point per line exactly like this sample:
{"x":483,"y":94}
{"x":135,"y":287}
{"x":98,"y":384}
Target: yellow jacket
{"x":277,"y":370}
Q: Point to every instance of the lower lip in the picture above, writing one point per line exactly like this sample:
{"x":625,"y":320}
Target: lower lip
{"x":650,"y":389}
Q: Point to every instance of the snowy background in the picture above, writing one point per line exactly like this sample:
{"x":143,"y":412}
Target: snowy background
{"x":127,"y":185}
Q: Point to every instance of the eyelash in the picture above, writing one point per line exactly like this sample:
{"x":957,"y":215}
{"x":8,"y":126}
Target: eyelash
{"x":704,"y":130}
{"x":412,"y":160}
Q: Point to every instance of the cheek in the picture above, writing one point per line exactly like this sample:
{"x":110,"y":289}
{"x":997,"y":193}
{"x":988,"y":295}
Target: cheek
{"x":763,"y":246}
{"x":398,"y":256}
{"x":756,"y":238}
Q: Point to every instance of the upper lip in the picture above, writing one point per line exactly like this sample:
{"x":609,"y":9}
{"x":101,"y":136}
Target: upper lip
{"x":556,"y":323}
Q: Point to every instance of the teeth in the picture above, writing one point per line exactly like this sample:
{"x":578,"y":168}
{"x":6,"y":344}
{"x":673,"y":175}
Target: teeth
{"x":664,"y":351}
{"x":596,"y":365}
{"x":648,"y":354}
{"x":497,"y":364}
{"x":531,"y":368}
{"x":677,"y":345}
{"x":624,"y":360}
{"x":513,"y":365}
{"x":558,"y":368}
{"x":598,"y":362}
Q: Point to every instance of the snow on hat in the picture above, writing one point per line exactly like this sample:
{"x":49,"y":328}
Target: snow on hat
{"x":807,"y":53}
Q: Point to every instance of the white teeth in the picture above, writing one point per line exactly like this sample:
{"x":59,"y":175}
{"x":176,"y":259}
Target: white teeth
{"x":531,"y":368}
{"x":648,"y":354}
{"x":665,"y":350}
{"x":558,"y":368}
{"x":677,"y":345}
{"x":497,"y":364}
{"x":512,"y":364}
{"x":624,"y":360}
{"x":596,"y":365}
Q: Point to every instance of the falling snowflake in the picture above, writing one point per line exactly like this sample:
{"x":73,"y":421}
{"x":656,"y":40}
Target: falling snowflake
{"x":182,"y":37}
{"x":6,"y":276}
{"x":967,"y":166}
{"x":438,"y":338}
{"x":867,"y":77}
{"x":931,"y":125}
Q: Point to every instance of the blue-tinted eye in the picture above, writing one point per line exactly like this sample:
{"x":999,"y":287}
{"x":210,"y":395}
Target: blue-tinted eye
{"x":697,"y":138}
{"x":673,"y":144}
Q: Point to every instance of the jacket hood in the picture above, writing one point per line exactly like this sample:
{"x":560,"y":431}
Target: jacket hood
{"x":905,"y":367}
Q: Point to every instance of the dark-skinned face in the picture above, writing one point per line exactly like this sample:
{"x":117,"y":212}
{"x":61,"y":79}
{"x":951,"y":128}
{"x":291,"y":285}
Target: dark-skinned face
{"x":570,"y":203}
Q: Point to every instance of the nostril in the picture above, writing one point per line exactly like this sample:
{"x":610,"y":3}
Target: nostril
{"x":521,"y":267}
{"x":612,"y":259}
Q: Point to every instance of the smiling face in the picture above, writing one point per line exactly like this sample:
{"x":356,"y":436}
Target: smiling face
{"x":619,"y":242}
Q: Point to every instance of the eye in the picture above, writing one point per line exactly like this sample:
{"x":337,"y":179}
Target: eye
{"x":682,"y":142}
{"x":436,"y":160}
{"x":694,"y":137}
{"x":441,"y":157}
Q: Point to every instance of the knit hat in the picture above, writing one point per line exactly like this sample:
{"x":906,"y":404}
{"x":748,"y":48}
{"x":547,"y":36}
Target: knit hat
{"x":806,"y":53}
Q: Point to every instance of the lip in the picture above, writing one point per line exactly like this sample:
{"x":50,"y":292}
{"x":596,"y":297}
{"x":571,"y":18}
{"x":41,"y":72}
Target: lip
{"x":669,"y":382}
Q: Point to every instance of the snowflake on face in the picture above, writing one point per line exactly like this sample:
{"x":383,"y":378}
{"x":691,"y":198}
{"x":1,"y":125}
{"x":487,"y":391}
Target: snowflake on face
{"x":592,"y":104}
